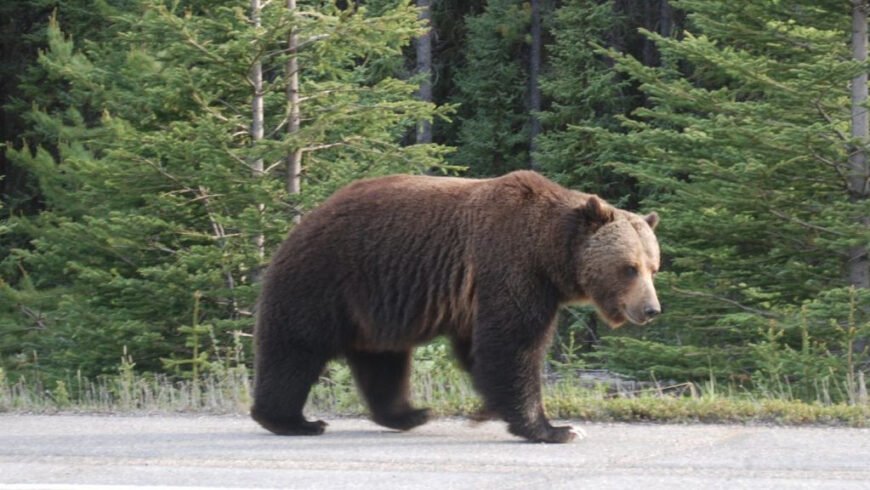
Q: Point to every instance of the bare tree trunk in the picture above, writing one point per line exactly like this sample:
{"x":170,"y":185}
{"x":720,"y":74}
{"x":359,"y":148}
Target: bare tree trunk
{"x":858,"y":167}
{"x":294,"y":159}
{"x":534,"y":83}
{"x":257,"y":119}
{"x":424,"y":67}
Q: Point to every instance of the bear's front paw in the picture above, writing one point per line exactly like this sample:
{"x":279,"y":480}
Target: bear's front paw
{"x":549,"y":434}
{"x":561,"y":434}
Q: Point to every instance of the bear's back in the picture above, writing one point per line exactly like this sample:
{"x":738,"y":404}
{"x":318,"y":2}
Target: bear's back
{"x":390,"y":254}
{"x":402,"y":258}
{"x":376,"y":215}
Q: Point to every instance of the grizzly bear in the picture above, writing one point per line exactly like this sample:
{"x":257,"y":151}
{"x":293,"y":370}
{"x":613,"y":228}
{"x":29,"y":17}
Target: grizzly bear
{"x":389,"y":263}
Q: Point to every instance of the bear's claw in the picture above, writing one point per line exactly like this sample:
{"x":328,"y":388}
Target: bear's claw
{"x":578,"y":432}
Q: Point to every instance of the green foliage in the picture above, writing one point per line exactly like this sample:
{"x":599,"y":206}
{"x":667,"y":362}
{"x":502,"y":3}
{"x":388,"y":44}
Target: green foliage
{"x":749,"y":145}
{"x":644,"y":359}
{"x":567,"y":401}
{"x":584,"y":90}
{"x":335,"y":394}
{"x":439,"y":383}
{"x":818,"y":354}
{"x":128,"y":182}
{"x":140,"y":147}
{"x":741,"y":150}
{"x":493,"y":118}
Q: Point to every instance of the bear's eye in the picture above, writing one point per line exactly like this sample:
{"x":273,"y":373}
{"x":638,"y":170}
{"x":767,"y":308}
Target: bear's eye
{"x":631,"y":271}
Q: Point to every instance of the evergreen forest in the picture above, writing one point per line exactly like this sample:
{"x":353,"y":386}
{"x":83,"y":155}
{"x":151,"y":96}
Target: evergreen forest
{"x":154,"y":153}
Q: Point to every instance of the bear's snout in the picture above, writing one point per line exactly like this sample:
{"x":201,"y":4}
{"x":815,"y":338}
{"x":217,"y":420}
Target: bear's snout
{"x":644,"y":317}
{"x":652,"y":311}
{"x":642,"y":302}
{"x":645,"y":307}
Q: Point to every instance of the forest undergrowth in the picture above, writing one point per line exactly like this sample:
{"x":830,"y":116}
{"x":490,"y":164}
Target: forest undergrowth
{"x":570,"y":392}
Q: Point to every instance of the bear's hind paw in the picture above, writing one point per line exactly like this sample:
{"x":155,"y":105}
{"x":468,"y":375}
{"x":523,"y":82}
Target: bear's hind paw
{"x":304,"y":428}
{"x":403,"y":420}
{"x":292,"y":427}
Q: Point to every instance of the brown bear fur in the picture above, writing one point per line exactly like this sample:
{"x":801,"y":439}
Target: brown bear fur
{"x":389,"y":263}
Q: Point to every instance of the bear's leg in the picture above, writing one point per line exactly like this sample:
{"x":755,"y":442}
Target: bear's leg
{"x":508,"y":351}
{"x":282,"y":382}
{"x":383,"y":378}
{"x":510,"y":383}
{"x":462,"y":351}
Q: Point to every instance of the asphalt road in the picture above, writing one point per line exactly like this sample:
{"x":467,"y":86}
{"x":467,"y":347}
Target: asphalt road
{"x":120,"y":452}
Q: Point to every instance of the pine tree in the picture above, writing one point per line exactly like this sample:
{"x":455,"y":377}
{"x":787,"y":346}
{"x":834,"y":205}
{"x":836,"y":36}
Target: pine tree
{"x":858,"y":173}
{"x":584,"y":91}
{"x":493,"y":117}
{"x":742,"y":148}
{"x":144,"y":162}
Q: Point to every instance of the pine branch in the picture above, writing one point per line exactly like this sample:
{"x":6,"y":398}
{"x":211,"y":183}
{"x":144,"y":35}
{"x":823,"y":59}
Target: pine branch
{"x":830,"y":121}
{"x":836,"y":166}
{"x":699,"y":294}
{"x":805,"y":224}
{"x":37,"y":317}
{"x":303,"y":44}
{"x":326,"y":146}
{"x":221,"y":235}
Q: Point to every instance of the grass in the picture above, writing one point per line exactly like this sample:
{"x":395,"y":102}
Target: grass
{"x":448,"y":392}
{"x":564,"y":400}
{"x":215,"y":392}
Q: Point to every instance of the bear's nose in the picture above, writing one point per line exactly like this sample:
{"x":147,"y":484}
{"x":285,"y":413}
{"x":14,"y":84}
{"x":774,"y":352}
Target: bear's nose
{"x":652,"y":312}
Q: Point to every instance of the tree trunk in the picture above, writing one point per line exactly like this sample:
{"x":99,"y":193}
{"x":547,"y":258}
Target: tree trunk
{"x":294,"y":159}
{"x":534,"y":85}
{"x":666,"y":19}
{"x":858,"y":168}
{"x":648,"y":21}
{"x":424,"y":68}
{"x":257,"y":119}
{"x":658,"y":17}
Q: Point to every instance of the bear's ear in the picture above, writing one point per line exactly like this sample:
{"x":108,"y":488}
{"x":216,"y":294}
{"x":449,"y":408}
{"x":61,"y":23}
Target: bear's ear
{"x":596,"y":212}
{"x":652,"y":219}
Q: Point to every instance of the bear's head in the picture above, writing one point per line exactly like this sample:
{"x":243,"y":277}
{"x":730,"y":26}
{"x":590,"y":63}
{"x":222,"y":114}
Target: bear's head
{"x":617,"y":263}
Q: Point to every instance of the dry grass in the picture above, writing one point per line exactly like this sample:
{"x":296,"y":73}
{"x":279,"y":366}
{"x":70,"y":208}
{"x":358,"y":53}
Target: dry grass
{"x":448,"y":392}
